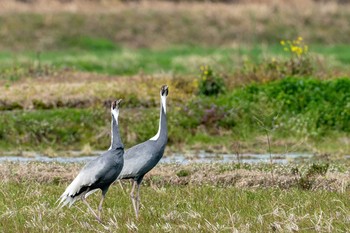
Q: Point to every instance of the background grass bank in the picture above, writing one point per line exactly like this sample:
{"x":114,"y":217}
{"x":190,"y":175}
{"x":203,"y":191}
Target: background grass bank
{"x":298,"y":114}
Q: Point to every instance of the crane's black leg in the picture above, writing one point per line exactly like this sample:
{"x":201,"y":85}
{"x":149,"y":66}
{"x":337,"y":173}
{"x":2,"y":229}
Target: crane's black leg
{"x":132,"y":196}
{"x":89,"y":207}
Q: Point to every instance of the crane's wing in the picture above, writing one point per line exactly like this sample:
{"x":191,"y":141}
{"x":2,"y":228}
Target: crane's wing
{"x":86,"y":177}
{"x":137,"y":160}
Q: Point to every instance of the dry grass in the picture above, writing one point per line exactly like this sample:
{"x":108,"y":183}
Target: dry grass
{"x":198,"y":202}
{"x":223,"y":175}
{"x":72,"y":89}
{"x":100,"y":6}
{"x":159,"y":24}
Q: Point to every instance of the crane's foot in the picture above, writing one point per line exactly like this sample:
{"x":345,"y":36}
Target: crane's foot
{"x":99,"y":219}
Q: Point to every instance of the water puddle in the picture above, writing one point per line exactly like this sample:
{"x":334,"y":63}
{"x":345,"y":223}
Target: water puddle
{"x":200,"y":157}
{"x":204,"y":157}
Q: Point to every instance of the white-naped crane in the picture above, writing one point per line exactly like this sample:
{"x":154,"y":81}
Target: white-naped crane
{"x":100,"y":172}
{"x":140,"y":159}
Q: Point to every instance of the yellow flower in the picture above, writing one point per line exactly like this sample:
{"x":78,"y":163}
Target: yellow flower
{"x":294,"y":49}
{"x":299,"y":51}
{"x":283,"y":42}
{"x":300,"y":38}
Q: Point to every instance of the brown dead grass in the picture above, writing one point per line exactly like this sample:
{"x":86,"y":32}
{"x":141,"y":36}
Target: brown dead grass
{"x":162,"y":24}
{"x":84,"y":90}
{"x":49,"y":6}
{"x":196,"y":174}
{"x":98,"y":6}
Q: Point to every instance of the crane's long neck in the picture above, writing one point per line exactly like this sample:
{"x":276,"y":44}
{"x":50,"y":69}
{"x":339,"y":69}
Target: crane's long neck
{"x":116,"y":141}
{"x":162,"y":133}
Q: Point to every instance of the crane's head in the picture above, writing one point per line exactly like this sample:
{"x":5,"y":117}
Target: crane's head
{"x":115,"y":109}
{"x":115,"y":105}
{"x":164,"y":90}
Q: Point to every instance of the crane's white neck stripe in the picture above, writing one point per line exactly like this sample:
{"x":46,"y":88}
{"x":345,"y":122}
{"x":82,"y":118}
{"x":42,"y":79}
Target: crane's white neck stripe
{"x":163,"y":101}
{"x":115,"y":114}
{"x":155,"y":138}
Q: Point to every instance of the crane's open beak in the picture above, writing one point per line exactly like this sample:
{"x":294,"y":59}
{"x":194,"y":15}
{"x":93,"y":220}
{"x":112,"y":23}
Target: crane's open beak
{"x":164,"y":90}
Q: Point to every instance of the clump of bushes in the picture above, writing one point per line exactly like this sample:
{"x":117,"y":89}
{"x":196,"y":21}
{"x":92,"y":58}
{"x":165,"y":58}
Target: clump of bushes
{"x":210,"y":83}
{"x":290,"y":106}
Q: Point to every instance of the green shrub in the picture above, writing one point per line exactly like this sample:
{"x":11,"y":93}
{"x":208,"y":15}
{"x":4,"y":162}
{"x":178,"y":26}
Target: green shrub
{"x":290,"y":107}
{"x":210,"y":83}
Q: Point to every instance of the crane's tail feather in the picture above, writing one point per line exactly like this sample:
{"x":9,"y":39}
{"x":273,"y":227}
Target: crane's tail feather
{"x":69,"y":196}
{"x":66,"y":200}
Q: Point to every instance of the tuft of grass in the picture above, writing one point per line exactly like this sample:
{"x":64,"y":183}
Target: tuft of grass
{"x":183,"y":173}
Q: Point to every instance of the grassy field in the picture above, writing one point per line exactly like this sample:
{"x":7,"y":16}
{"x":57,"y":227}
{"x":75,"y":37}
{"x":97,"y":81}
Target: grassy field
{"x":181,"y":209}
{"x":199,"y":198}
{"x":232,"y":89}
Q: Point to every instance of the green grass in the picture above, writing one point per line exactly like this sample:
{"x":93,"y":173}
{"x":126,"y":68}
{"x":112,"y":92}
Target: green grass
{"x":68,"y":128}
{"x":122,"y":61}
{"x":30,"y":207}
{"x":108,"y":59}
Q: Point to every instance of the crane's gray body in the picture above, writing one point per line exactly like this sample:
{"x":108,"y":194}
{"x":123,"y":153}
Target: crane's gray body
{"x":99,"y":173}
{"x":140,"y":159}
{"x":106,"y":168}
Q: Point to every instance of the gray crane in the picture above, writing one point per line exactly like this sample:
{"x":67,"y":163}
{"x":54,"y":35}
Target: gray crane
{"x":100,"y":172}
{"x":140,"y":159}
